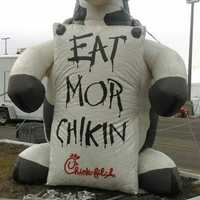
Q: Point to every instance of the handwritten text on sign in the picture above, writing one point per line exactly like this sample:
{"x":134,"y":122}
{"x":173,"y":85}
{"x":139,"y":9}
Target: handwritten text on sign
{"x":83,"y":131}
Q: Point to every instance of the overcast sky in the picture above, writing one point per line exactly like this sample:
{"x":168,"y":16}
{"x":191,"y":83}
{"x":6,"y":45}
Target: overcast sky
{"x":29,"y":22}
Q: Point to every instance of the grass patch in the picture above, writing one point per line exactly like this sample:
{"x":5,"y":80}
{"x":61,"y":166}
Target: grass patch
{"x":8,"y":155}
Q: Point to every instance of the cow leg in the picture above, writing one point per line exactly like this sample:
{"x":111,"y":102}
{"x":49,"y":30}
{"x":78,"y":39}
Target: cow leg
{"x":158,"y":174}
{"x":32,"y":165}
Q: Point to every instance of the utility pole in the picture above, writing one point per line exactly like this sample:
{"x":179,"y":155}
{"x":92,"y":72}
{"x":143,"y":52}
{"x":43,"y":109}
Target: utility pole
{"x":192,"y":2}
{"x":5,"y":39}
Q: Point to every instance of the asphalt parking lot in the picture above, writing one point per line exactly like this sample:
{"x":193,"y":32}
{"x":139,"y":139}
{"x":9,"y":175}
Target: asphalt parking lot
{"x":8,"y":131}
{"x":180,"y":139}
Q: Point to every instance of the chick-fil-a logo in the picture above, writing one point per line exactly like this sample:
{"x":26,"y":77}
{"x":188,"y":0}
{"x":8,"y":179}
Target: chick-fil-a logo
{"x":72,"y":167}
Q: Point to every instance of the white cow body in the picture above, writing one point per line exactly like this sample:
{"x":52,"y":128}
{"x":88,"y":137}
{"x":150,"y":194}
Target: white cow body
{"x":100,"y":77}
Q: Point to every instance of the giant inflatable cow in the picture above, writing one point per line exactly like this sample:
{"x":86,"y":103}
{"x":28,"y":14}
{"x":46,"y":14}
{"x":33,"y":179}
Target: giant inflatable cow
{"x":106,"y":87}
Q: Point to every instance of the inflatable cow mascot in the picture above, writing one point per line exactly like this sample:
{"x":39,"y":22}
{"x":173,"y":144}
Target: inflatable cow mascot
{"x":106,"y":87}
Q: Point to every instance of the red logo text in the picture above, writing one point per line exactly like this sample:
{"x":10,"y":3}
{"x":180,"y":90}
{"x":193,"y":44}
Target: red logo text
{"x":72,"y":167}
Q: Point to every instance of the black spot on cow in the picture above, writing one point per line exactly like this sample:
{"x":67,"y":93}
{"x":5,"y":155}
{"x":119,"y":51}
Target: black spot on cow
{"x":136,"y":32}
{"x":60,"y":29}
{"x":166,"y":182}
{"x":126,"y":6}
{"x":120,"y":17}
{"x":26,"y":92}
{"x":48,"y":113}
{"x":80,"y":13}
{"x":151,"y":133}
{"x":167,"y":95}
{"x":29,"y":172}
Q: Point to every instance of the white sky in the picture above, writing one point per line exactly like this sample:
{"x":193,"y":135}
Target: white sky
{"x":29,"y":22}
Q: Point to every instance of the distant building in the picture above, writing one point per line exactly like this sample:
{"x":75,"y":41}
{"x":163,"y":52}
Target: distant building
{"x":196,"y":98}
{"x":195,"y":90}
{"x":7,"y":109}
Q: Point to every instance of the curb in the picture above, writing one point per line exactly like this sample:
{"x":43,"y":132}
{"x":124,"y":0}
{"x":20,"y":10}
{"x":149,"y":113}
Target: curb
{"x":189,"y":174}
{"x":7,"y":199}
{"x":15,"y":142}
